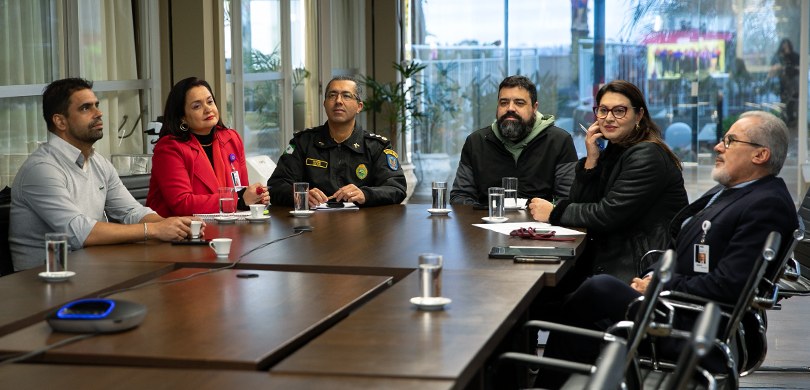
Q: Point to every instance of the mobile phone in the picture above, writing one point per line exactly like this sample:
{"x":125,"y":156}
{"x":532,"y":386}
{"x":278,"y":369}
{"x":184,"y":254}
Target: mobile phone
{"x":191,"y":241}
{"x":538,"y":259}
{"x":335,"y":204}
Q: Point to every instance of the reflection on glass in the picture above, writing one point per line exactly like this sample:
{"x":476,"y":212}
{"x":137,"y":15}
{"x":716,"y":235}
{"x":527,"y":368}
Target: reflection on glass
{"x":699,"y":63}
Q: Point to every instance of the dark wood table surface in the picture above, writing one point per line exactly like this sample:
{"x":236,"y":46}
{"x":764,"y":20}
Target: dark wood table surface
{"x":376,"y":241}
{"x":223,"y":323}
{"x":27,"y":299}
{"x":63,"y":376}
{"x":215,"y":320}
{"x":389,"y":337}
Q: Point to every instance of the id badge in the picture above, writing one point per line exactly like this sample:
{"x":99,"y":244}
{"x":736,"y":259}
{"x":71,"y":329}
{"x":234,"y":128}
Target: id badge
{"x":701,"y":258}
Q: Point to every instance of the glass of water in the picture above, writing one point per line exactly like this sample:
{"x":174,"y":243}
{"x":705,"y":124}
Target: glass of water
{"x":496,"y":202}
{"x":227,"y":201}
{"x":510,"y":187}
{"x":301,"y":196}
{"x":439,"y":195}
{"x":56,"y":252}
{"x":430,"y":272}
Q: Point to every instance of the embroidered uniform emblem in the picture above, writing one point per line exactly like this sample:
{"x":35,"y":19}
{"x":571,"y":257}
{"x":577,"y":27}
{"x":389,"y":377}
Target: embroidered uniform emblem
{"x":361,"y":171}
{"x":290,"y":149}
{"x":393,"y":163}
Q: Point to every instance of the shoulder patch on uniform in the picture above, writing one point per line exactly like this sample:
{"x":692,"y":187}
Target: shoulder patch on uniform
{"x":290,"y":149}
{"x":393,"y":163}
{"x":391,"y":152}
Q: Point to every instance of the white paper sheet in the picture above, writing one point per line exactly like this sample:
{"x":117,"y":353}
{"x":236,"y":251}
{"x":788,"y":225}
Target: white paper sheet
{"x":506,"y":228}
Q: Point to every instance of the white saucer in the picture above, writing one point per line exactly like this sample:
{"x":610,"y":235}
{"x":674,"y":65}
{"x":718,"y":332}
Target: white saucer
{"x":57,"y":276}
{"x":302,"y":213}
{"x":225,"y":219}
{"x":430,"y":303}
{"x":258,"y":220}
{"x":439,"y":211}
{"x":495,"y":219}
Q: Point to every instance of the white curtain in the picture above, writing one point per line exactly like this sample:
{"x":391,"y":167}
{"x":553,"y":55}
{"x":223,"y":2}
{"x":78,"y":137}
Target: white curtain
{"x":346,"y":23}
{"x":107,"y":52}
{"x":31,"y":54}
{"x":24,"y":59}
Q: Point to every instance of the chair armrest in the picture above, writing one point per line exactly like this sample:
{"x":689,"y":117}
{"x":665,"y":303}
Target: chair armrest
{"x":552,"y":326}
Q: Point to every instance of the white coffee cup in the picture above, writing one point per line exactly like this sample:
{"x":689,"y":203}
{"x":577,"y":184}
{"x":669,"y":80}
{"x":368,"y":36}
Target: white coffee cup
{"x":257,"y":210}
{"x":195,"y":229}
{"x":222,"y":246}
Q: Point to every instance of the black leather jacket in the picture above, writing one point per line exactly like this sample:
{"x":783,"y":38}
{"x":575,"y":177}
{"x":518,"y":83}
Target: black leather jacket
{"x":626,"y":202}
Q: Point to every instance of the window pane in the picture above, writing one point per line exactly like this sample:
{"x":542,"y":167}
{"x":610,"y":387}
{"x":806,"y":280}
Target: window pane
{"x":262,"y":132}
{"x":261,"y":40}
{"x":462,"y":47}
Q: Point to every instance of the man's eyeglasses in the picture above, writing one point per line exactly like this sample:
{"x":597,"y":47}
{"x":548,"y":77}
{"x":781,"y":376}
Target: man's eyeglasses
{"x":729,"y":139}
{"x":333,"y":95}
{"x":619,"y":112}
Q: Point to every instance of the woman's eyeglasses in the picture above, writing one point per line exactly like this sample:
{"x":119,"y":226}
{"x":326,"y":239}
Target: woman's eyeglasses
{"x":619,"y":112}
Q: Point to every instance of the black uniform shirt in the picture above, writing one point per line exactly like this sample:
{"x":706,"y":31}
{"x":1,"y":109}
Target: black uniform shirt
{"x":364,"y":159}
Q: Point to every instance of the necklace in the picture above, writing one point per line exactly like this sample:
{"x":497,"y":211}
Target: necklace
{"x":207,"y":145}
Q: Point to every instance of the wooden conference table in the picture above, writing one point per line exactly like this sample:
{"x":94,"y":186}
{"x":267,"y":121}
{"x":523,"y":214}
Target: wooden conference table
{"x":323,"y":305}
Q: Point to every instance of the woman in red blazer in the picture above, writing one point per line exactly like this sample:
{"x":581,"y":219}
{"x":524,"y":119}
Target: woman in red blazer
{"x":196,"y":154}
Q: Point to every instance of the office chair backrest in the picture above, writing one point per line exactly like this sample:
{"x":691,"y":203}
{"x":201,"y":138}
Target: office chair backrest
{"x":6,"y":267}
{"x":769,"y":252}
{"x":702,"y":339}
{"x":608,"y":373}
{"x":138,"y":186}
{"x":646,"y":309}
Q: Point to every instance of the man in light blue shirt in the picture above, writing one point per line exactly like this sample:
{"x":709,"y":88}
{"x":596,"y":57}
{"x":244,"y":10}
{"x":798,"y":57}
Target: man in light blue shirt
{"x":65,"y":187}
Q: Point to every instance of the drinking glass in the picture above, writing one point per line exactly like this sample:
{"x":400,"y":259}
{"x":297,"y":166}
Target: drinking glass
{"x":510,"y":187}
{"x":56,"y":252}
{"x":301,"y":196}
{"x":439,"y":195}
{"x":496,"y":202}
{"x":430,"y":270}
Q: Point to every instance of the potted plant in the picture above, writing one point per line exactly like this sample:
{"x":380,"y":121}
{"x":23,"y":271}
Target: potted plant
{"x":396,"y":103}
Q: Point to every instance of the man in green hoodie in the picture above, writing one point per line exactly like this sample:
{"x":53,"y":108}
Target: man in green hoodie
{"x":522,"y":143}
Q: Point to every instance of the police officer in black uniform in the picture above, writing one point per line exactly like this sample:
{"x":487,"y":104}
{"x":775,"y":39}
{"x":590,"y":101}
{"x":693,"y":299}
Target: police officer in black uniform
{"x":337,"y":160}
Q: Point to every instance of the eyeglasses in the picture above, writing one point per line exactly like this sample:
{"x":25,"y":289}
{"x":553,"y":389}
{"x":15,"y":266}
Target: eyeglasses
{"x":729,"y":139}
{"x":619,"y":112}
{"x":333,"y":95}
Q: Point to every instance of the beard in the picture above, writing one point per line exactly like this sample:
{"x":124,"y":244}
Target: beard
{"x":89,"y":135}
{"x":515,"y":130}
{"x":721,"y":176}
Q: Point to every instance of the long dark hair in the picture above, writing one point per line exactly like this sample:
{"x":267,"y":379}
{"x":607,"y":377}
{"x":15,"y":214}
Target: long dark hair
{"x":647,"y":130}
{"x":176,"y":108}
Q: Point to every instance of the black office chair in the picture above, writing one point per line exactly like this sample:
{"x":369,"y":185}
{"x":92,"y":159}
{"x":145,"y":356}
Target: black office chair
{"x":795,"y":281}
{"x":6,"y":267}
{"x":742,"y":327}
{"x":138,"y":186}
{"x":635,"y":331}
{"x":606,"y":373}
{"x":701,"y":341}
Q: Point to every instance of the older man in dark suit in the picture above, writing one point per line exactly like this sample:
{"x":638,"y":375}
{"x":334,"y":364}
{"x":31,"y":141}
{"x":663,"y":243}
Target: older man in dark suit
{"x":717,"y":238}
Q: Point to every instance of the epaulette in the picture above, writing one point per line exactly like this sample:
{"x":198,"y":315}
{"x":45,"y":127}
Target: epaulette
{"x":377,"y":137}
